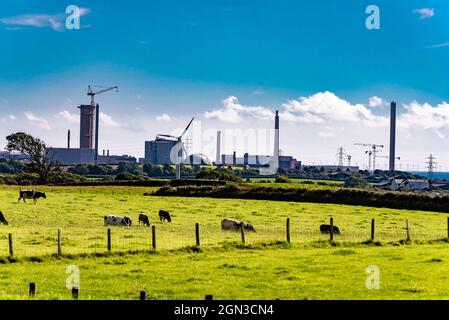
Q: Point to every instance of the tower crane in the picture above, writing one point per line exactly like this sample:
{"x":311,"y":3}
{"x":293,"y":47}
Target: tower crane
{"x":374,"y":152}
{"x":92,"y":94}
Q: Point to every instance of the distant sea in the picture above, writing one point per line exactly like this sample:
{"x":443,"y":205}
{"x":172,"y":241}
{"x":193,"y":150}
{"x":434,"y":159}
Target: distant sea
{"x":436,"y":175}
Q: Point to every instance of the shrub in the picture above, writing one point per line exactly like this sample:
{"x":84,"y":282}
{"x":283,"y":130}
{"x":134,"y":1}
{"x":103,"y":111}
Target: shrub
{"x":126,"y":176}
{"x":282,"y":179}
{"x":209,"y":174}
{"x":355,"y":182}
{"x":64,"y":177}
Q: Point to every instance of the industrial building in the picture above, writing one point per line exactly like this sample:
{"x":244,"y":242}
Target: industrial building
{"x":333,"y":168}
{"x":13,"y":156}
{"x":258,"y":161}
{"x":87,"y":153}
{"x":158,"y":151}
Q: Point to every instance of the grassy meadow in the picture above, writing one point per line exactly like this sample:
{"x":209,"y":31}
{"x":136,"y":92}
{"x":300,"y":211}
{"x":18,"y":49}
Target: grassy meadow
{"x":308,"y":268}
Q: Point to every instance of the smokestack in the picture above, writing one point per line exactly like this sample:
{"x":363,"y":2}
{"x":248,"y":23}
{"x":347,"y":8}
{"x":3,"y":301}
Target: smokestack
{"x":107,"y":153}
{"x":104,"y":152}
{"x":68,"y":139}
{"x":276,"y":140}
{"x":392,"y":135}
{"x":218,"y":160}
{"x":97,"y":124}
{"x":86,"y":126}
{"x":234,"y":159}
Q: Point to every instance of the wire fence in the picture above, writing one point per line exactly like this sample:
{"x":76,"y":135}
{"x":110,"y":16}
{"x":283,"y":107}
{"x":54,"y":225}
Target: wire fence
{"x":41,"y":240}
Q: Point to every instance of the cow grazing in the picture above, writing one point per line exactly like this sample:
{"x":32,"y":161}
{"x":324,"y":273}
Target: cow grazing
{"x":326,"y":228}
{"x":31,"y":194}
{"x":143,"y":219}
{"x":164,"y":215}
{"x":229,"y":224}
{"x":2,"y":219}
{"x":117,"y":221}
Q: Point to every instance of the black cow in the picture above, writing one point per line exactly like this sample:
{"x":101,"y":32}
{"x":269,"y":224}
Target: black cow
{"x":143,"y":219}
{"x":164,"y":215}
{"x":2,"y":219}
{"x":31,"y":194}
{"x":326,"y":228}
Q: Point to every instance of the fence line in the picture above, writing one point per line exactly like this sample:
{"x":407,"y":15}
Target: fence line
{"x":144,"y":239}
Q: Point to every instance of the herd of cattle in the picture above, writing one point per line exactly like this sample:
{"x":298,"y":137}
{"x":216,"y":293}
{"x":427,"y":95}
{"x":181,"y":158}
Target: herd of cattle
{"x":226,"y":224}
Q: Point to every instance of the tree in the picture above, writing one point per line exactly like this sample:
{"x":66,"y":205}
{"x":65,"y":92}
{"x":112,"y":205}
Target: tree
{"x":41,"y":162}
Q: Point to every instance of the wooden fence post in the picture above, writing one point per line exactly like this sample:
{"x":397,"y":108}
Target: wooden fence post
{"x":142,"y":295}
{"x":109,"y":240}
{"x":372,"y":229}
{"x":75,"y":293}
{"x":32,"y":289}
{"x":332,"y":229}
{"x":153,"y":233}
{"x":11,"y":249}
{"x":288,"y":230}
{"x":242,"y":230}
{"x":408,"y":229}
{"x":59,"y":242}
{"x":197,"y":234}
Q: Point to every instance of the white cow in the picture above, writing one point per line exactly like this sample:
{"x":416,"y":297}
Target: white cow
{"x":229,"y":224}
{"x":117,"y":221}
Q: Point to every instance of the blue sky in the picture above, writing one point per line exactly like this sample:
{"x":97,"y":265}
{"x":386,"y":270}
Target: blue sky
{"x":183,"y":58}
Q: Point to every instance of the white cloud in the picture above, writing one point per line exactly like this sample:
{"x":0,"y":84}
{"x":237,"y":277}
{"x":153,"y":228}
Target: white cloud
{"x":55,"y":21}
{"x":12,"y":117}
{"x":37,"y":121}
{"x":257,"y":92}
{"x":107,"y":121}
{"x":425,"y":12}
{"x":376,"y":102}
{"x":69,"y":117}
{"x":233,"y":112}
{"x":326,"y":134}
{"x":163,"y":117}
{"x":425,"y":116}
{"x":439,"y":45}
{"x":327,"y":107}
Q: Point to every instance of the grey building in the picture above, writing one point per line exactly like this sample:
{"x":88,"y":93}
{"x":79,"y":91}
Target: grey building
{"x":67,"y":156}
{"x":158,"y":151}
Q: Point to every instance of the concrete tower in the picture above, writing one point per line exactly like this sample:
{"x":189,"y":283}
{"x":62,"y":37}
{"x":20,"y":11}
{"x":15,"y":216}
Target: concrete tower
{"x":218,"y":159}
{"x":276,"y":141}
{"x":86,"y":126}
{"x":392,"y":135}
{"x":97,"y":128}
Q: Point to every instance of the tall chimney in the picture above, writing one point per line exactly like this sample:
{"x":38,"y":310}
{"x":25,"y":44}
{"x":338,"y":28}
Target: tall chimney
{"x":218,"y":159}
{"x":107,"y":153}
{"x":68,"y":139}
{"x":97,"y":124}
{"x":86,"y":126}
{"x":276,"y":140}
{"x":234,"y":158}
{"x":392,"y":135}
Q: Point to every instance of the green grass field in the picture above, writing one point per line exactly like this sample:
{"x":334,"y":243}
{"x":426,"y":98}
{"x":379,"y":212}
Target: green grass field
{"x":309,"y":268}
